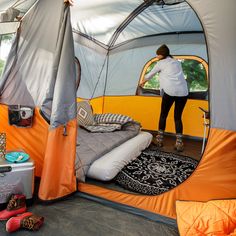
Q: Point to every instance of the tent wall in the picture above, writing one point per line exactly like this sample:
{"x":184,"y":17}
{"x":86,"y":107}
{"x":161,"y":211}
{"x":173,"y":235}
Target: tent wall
{"x":93,"y":72}
{"x":117,"y":76}
{"x":125,"y":81}
{"x":220,"y":34}
{"x":39,"y":69}
{"x":146,"y":110}
{"x":31,"y":140}
{"x":100,"y":78}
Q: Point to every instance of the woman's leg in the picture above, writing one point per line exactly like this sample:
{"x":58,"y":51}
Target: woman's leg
{"x":167,"y":102}
{"x":179,"y":107}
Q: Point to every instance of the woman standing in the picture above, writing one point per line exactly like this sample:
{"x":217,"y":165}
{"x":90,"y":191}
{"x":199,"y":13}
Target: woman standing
{"x":174,"y":89}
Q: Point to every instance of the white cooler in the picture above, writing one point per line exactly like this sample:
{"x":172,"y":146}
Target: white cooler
{"x":16,"y":178}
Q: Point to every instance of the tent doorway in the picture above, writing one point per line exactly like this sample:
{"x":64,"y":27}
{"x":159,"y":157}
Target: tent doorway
{"x":111,"y":89}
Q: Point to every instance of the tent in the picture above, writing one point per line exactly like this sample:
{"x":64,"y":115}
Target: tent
{"x":113,"y":40}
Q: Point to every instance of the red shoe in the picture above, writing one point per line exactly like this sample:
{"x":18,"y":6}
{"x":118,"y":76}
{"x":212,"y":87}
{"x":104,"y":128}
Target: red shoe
{"x":15,"y":206}
{"x":26,"y":220}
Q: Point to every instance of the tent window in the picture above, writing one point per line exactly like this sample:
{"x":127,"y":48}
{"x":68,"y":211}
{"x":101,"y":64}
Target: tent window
{"x":195,"y":71}
{"x":5,"y":46}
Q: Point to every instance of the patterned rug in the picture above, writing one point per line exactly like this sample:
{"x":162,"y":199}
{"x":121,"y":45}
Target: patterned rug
{"x":155,"y":172}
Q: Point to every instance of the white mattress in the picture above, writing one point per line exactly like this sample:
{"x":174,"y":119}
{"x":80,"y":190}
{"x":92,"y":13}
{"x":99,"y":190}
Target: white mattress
{"x":108,"y":166}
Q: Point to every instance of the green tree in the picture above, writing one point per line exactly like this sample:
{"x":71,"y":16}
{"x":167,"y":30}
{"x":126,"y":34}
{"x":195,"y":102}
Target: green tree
{"x":4,"y":38}
{"x":195,"y":75}
{"x":1,"y":66}
{"x":153,"y":83}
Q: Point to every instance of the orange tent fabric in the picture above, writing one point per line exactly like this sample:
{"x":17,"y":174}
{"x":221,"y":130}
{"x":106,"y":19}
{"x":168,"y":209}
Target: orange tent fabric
{"x":58,"y":176}
{"x":216,"y":217}
{"x":31,"y":140}
{"x":220,"y":176}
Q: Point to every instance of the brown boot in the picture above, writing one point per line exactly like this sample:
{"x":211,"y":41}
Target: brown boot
{"x":179,"y":145}
{"x":160,"y":138}
{"x":16,"y":205}
{"x":26,"y":220}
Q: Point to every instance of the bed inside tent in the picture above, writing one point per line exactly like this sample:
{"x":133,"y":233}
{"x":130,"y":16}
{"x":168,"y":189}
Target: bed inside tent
{"x":115,"y":44}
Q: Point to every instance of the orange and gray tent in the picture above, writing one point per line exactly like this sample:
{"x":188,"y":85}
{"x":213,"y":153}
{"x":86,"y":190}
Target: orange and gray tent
{"x":39,"y":69}
{"x":113,"y":40}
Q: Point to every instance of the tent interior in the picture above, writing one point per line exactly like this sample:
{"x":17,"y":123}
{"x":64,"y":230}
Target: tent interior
{"x":114,"y":45}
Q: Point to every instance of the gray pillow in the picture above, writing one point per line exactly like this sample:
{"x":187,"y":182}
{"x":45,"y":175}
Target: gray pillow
{"x":103,"y":128}
{"x":111,"y":118}
{"x":85,"y":114}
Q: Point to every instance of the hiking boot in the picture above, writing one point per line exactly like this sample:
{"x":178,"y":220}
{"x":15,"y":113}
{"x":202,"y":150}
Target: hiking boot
{"x":179,"y":145}
{"x":159,"y":138}
{"x":16,"y":205}
{"x":26,"y":220}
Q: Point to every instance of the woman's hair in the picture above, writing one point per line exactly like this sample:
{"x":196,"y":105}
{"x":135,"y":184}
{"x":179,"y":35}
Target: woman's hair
{"x":164,"y":51}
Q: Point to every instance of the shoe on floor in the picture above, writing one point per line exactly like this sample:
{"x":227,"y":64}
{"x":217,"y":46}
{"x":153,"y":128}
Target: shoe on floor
{"x":179,"y":145}
{"x":15,"y":206}
{"x":26,"y":220}
{"x":160,"y":138}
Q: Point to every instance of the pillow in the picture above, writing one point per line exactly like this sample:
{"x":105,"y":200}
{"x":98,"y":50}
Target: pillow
{"x":84,"y":113}
{"x":215,"y":217}
{"x":102,"y":128}
{"x":111,"y":118}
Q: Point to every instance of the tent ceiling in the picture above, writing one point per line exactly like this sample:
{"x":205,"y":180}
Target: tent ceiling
{"x":100,"y":19}
{"x":133,"y":18}
{"x":113,"y":22}
{"x":159,"y":20}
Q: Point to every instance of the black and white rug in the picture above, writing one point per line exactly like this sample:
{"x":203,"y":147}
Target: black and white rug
{"x":155,"y":172}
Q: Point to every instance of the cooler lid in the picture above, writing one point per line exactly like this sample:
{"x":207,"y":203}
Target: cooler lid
{"x":5,"y":163}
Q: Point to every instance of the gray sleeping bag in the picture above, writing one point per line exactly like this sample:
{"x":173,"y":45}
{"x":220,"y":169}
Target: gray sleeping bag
{"x":91,"y":146}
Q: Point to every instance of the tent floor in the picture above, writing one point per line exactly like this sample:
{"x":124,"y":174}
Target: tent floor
{"x":192,"y":149}
{"x":78,"y":216}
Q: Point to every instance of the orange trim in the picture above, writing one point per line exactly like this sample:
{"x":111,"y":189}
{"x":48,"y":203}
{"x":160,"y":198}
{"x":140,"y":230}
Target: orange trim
{"x":58,"y":176}
{"x":160,"y":204}
{"x":214,"y":178}
{"x":32,"y":140}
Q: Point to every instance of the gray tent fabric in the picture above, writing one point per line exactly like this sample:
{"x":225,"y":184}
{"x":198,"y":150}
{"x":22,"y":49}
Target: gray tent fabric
{"x":62,"y":93}
{"x":107,"y":20}
{"x":220,"y":36}
{"x":40,"y":67}
{"x":126,"y":35}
